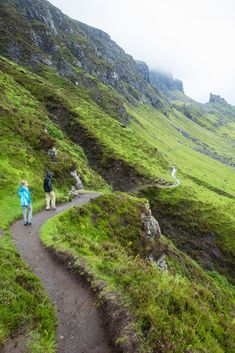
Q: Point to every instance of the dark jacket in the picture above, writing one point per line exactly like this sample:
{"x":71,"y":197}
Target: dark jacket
{"x":47,"y":184}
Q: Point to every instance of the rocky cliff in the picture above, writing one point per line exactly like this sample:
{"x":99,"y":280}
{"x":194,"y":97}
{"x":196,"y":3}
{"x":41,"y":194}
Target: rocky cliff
{"x":33,"y":32}
{"x":165,"y":82}
{"x":216,"y":99}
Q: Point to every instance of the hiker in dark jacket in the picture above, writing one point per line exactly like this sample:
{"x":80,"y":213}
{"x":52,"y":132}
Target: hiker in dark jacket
{"x":50,"y":195}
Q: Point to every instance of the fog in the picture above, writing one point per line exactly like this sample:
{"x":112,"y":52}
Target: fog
{"x":194,"y":40}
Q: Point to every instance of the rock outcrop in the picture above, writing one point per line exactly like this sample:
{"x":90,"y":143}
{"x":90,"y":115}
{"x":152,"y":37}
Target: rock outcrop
{"x":144,"y":70}
{"x":216,"y":99}
{"x":150,"y":225}
{"x":79,"y":184}
{"x":34,"y":32}
{"x":165,"y":82}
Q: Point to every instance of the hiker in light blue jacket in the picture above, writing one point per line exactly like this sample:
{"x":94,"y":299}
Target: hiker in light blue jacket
{"x":26,"y":203}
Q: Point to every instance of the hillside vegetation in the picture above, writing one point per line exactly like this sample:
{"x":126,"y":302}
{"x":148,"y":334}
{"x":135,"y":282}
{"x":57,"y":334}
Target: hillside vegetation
{"x":67,"y":86}
{"x":180,"y":310}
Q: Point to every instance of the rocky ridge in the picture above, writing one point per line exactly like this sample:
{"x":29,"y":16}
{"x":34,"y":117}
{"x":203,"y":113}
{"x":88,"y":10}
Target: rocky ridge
{"x":216,"y":99}
{"x":36,"y":33}
{"x":165,"y":82}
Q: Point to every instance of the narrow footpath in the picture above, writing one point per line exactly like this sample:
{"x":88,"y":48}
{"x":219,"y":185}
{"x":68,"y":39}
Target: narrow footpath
{"x":167,"y":186}
{"x":80,"y":327}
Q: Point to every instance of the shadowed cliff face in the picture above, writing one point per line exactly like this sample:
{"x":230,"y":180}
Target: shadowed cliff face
{"x":165,"y":82}
{"x":33,"y":32}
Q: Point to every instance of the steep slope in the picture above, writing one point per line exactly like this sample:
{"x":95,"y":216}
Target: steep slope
{"x":175,"y":311}
{"x":35,"y":32}
{"x":216,"y":115}
{"x":27,"y":138}
{"x":129,"y":145}
{"x":107,"y":142}
{"x":164,"y":82}
{"x":109,"y":119}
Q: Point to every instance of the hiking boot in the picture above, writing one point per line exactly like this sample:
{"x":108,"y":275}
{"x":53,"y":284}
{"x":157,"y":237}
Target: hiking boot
{"x":47,"y":209}
{"x":53,"y":208}
{"x":25,"y":223}
{"x":29,"y":223}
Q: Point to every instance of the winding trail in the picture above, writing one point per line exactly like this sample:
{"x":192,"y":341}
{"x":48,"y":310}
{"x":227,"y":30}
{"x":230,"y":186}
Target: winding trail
{"x":177,"y":183}
{"x":162,"y":186}
{"x":80,"y":327}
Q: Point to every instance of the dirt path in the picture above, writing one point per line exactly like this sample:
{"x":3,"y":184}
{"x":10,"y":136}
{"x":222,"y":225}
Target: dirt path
{"x":80,"y":328}
{"x":162,"y":186}
{"x":173,"y":174}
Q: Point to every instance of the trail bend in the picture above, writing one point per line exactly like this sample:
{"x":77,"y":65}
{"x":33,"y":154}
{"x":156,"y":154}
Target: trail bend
{"x":80,"y":327}
{"x":162,"y":186}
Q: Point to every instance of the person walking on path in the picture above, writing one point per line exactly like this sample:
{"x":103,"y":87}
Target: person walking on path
{"x":26,"y":203}
{"x":50,"y":195}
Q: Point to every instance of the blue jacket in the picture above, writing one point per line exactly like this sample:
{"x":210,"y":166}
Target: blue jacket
{"x":24,"y":195}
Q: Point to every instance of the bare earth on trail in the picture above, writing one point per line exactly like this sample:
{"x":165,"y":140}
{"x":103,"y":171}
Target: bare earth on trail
{"x":80,"y":328}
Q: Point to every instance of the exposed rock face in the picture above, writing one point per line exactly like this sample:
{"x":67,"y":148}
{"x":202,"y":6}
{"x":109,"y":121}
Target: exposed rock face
{"x":165,"y":82}
{"x":179,"y":85}
{"x":34,"y":32}
{"x":216,"y":99}
{"x":144,"y":70}
{"x":151,"y":228}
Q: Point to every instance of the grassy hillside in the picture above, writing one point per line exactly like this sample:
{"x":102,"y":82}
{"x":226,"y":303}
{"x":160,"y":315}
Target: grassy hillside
{"x":73,"y":109}
{"x":201,"y":211}
{"x":80,"y":93}
{"x":39,"y":112}
{"x":182,"y":310}
{"x":27,"y":134}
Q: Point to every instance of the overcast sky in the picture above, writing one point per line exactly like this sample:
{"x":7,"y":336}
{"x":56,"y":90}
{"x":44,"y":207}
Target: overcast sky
{"x":193,"y":39}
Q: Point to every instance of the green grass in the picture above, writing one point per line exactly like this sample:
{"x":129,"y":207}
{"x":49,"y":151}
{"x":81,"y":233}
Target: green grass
{"x":26,"y":135}
{"x":204,"y":202}
{"x":183,"y":308}
{"x":38,"y":112}
{"x":116,"y":141}
{"x":24,"y":305}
